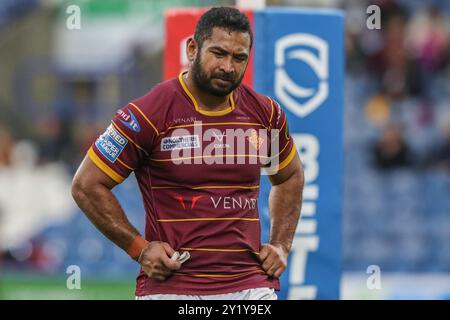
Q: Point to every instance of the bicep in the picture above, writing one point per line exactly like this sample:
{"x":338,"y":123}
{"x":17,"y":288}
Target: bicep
{"x":89,"y":174}
{"x":293,"y":168}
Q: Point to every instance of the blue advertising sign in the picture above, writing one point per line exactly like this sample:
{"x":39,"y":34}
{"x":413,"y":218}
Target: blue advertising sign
{"x":299,"y":61}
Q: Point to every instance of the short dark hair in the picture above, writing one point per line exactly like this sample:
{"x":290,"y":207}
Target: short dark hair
{"x":228,"y":18}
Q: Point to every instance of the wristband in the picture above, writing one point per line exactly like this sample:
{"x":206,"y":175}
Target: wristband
{"x":135,"y":248}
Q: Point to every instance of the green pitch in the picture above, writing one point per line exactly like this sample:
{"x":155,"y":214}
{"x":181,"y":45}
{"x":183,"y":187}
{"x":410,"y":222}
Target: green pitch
{"x":43,"y":288}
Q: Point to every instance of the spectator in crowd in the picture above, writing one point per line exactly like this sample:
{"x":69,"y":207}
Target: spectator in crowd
{"x":428,"y":40}
{"x":391,"y":150}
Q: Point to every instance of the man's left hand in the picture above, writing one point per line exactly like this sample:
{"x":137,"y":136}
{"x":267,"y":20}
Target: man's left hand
{"x":273,"y":258}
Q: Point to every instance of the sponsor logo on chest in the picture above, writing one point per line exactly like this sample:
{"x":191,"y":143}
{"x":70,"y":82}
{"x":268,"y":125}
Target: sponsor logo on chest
{"x":228,"y":203}
{"x":180,"y":142}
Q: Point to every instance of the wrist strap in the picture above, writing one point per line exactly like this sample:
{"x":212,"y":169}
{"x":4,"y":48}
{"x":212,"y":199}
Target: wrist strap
{"x":135,"y":248}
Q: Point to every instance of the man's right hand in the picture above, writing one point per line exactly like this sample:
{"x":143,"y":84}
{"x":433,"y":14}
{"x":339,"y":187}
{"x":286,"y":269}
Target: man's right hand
{"x":155,"y":260}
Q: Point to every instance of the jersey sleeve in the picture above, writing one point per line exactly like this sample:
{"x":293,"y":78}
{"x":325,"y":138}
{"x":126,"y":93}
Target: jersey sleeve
{"x":126,"y":143}
{"x":282,"y":149}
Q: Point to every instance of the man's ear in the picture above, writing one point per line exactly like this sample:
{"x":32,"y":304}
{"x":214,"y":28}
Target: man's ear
{"x":191,"y":49}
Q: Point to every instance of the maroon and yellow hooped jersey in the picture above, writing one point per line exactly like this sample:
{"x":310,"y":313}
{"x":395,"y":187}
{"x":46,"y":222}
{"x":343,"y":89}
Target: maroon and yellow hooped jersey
{"x":199,"y":173}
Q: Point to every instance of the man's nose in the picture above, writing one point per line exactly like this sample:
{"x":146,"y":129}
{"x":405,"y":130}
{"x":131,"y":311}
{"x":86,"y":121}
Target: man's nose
{"x":227,"y":65}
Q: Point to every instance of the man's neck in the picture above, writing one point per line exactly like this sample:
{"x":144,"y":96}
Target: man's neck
{"x":205,"y":100}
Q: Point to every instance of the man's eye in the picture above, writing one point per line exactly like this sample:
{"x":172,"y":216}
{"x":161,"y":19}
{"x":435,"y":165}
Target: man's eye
{"x":218,"y":54}
{"x":240,"y":59}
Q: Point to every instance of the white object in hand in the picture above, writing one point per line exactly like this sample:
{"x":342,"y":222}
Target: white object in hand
{"x":184,"y":257}
{"x":175,"y":256}
{"x":181,"y":258}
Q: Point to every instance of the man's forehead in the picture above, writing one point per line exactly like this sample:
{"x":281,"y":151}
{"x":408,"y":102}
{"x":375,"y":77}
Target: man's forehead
{"x":229,"y":40}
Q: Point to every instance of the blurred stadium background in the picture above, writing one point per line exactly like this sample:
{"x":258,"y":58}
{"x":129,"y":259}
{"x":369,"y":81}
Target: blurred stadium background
{"x":58,"y":90}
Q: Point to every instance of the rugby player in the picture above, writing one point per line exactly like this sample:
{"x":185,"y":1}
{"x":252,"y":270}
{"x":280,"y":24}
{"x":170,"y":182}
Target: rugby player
{"x":197,"y":145}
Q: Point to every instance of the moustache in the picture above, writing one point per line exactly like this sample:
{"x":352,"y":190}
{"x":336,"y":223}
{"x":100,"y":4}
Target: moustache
{"x":225,"y":77}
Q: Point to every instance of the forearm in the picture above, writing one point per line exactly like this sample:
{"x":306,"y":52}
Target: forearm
{"x":285,"y":202}
{"x":104,"y":211}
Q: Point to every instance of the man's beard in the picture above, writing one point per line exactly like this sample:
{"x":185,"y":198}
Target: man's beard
{"x":204,"y":82}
